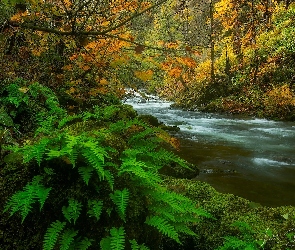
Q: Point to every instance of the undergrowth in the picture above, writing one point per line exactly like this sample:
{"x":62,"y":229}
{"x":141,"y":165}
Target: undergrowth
{"x":97,"y":176}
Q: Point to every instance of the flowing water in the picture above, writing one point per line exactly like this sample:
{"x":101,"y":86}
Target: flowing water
{"x":250,"y":157}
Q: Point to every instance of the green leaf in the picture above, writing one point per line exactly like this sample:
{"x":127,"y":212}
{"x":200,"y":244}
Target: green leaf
{"x":117,"y":238}
{"x":95,"y":208}
{"x":136,"y":246}
{"x":52,"y":234}
{"x":86,"y":173}
{"x":120,"y":198}
{"x":163,"y":226}
{"x":84,"y":244}
{"x":72,"y":212}
{"x":67,"y":238}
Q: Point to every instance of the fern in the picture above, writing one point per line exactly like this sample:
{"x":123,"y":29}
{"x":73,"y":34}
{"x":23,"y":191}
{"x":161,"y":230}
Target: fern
{"x":68,"y":119}
{"x":95,"y":156}
{"x":163,"y":226}
{"x":234,"y":243}
{"x":120,"y":198}
{"x":141,"y":135}
{"x":52,"y":234}
{"x":105,"y":243}
{"x":180,"y":227}
{"x":131,"y":165}
{"x":109,"y":111}
{"x":67,"y":238}
{"x":136,"y":246}
{"x":36,"y":151}
{"x":117,"y":238}
{"x":72,"y":212}
{"x":15,"y":95}
{"x":164,"y":156}
{"x":71,"y":147}
{"x":23,"y":200}
{"x":84,"y":244}
{"x":95,"y":208}
{"x":110,"y":178}
{"x":86,"y":173}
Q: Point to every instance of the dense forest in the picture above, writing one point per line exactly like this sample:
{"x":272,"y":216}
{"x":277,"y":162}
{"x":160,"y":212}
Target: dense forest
{"x":81,"y":170}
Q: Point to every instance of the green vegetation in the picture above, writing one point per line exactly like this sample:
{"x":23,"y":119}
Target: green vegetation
{"x":98,"y":168}
{"x":80,"y":170}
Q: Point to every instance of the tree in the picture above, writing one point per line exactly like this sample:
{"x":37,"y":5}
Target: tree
{"x":69,"y":44}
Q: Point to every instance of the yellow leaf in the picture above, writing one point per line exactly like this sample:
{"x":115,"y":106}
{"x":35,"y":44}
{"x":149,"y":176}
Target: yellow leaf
{"x":23,"y":89}
{"x":103,"y":81}
{"x":144,"y":75}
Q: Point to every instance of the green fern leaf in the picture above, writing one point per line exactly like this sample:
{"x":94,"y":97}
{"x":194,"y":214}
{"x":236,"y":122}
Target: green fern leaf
{"x":117,"y":238}
{"x":95,"y":156}
{"x":109,"y":111}
{"x":86,"y":173}
{"x":48,"y":171}
{"x":67,"y":119}
{"x":36,"y":151}
{"x":163,"y":226}
{"x":52,"y":234}
{"x":84,"y":244}
{"x":105,"y":243}
{"x":120,"y":198}
{"x":95,"y":208}
{"x":67,"y":238}
{"x":141,"y":135}
{"x":182,"y":228}
{"x":131,"y":165}
{"x":136,"y":246}
{"x":110,"y":178}
{"x":71,"y":147}
{"x":72,"y":212}
{"x":22,"y":200}
{"x":42,"y":194}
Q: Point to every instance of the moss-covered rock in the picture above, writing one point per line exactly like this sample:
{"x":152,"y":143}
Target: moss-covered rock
{"x":272,"y":227}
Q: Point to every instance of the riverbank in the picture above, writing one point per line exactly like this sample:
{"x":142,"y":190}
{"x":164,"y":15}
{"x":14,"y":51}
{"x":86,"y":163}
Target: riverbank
{"x":236,"y":221}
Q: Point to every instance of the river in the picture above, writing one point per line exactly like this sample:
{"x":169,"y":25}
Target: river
{"x":249,"y":157}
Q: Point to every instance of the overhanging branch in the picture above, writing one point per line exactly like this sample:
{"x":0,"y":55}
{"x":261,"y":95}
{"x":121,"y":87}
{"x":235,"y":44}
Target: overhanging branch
{"x":83,"y":33}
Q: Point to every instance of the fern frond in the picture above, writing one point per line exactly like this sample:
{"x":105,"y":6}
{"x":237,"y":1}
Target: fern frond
{"x":165,"y":211}
{"x":52,"y":234}
{"x":131,"y":165}
{"x":49,"y":171}
{"x":110,"y":178}
{"x":86,"y":173}
{"x":84,"y":244}
{"x":117,"y":238}
{"x":163,"y":226}
{"x":120,"y":198}
{"x":141,"y":135}
{"x":23,"y":200}
{"x":164,"y":156}
{"x":105,"y":243}
{"x":180,"y":227}
{"x":71,"y":147}
{"x":67,"y":238}
{"x":177,"y":202}
{"x":72,"y":212}
{"x":95,"y":208}
{"x":95,"y":155}
{"x":67,"y":119}
{"x":136,"y":246}
{"x":109,"y":111}
{"x":42,"y":195}
{"x":36,"y":151}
